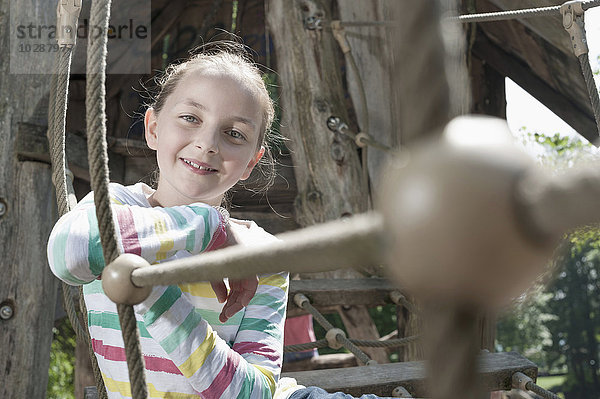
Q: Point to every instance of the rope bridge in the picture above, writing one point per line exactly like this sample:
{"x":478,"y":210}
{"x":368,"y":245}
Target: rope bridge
{"x":525,"y":197}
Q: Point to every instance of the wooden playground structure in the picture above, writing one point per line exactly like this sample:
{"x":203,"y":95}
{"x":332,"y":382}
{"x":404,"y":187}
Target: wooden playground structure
{"x":358,"y":90}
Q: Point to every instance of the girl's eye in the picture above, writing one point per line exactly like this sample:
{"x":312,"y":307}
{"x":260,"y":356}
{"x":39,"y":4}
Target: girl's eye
{"x":236,"y":135}
{"x":189,"y":118}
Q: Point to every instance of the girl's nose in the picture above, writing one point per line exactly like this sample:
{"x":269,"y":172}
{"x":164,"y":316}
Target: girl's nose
{"x":207,"y":139}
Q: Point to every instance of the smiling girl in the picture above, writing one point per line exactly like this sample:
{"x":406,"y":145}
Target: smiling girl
{"x":208,"y":125}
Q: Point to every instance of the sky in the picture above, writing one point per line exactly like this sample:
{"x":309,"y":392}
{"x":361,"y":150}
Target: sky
{"x":524,"y":110}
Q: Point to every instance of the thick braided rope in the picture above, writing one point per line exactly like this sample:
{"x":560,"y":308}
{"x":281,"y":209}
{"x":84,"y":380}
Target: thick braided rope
{"x":541,"y":391}
{"x":319,"y":344}
{"x":591,"y":87}
{"x":390,"y":343}
{"x":322,"y":343}
{"x":57,"y":112}
{"x":514,"y":14}
{"x":98,"y":159}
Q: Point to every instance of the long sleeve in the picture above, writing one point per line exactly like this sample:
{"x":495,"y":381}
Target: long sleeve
{"x":74,"y":248}
{"x":248,"y":370}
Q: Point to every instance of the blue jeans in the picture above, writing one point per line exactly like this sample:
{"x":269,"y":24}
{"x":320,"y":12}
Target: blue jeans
{"x":318,"y":393}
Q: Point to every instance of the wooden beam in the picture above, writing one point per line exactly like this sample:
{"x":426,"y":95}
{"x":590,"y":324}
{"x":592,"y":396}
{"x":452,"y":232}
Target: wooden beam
{"x":370,"y":292}
{"x":495,"y":373}
{"x":538,"y":63}
{"x":576,"y":112}
{"x":31,"y":144}
{"x":321,"y":362}
{"x":550,"y":28}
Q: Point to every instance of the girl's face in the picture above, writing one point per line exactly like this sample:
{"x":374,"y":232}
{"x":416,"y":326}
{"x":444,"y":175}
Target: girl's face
{"x":205,"y":137}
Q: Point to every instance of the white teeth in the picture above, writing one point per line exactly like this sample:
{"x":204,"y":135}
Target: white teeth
{"x":195,"y":165}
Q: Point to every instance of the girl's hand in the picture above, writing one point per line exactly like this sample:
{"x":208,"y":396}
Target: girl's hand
{"x":240,"y":291}
{"x":240,"y":294}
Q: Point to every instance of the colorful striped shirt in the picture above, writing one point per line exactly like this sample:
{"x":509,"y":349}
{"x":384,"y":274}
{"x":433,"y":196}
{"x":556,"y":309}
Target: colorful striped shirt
{"x":188,"y":352}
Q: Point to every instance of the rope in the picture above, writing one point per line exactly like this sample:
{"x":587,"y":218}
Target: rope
{"x":354,"y":241}
{"x":390,"y":343}
{"x":541,"y":391}
{"x":507,"y":15}
{"x":57,"y":112}
{"x":98,"y":158}
{"x":591,"y":87}
{"x":305,"y":304}
{"x":399,"y":299}
{"x":322,"y":343}
{"x":514,"y":14}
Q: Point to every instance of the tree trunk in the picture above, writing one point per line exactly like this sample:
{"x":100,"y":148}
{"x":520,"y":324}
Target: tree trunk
{"x":27,"y":287}
{"x":327,"y":165}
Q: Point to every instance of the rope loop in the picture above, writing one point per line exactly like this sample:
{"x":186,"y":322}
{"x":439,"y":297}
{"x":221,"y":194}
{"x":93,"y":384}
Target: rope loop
{"x":332,"y":338}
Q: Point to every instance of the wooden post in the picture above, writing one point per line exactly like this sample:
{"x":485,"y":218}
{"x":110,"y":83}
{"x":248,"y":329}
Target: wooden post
{"x":327,"y":166}
{"x":488,"y":98}
{"x":27,"y":212}
{"x":372,"y":51}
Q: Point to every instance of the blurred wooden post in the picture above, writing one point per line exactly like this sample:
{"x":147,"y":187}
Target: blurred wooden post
{"x":488,"y":94}
{"x":28,"y":289}
{"x":327,"y":166}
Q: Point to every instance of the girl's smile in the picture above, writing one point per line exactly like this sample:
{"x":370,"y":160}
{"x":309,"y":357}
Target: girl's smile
{"x":206,"y":138}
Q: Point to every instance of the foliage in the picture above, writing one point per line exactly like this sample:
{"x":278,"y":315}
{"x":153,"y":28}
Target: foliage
{"x":558,"y":326}
{"x":62,"y":357}
{"x":575,"y":301}
{"x":524,"y":330}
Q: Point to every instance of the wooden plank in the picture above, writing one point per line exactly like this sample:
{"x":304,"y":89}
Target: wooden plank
{"x":495,"y":373}
{"x":550,"y":28}
{"x":332,"y":292}
{"x":573,"y":108}
{"x":321,"y":362}
{"x":31,"y":144}
{"x":278,"y":199}
{"x":540,"y":66}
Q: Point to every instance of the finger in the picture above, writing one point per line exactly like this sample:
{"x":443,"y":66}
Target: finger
{"x":220,"y":290}
{"x":246,"y":296}
{"x":232,"y":306}
{"x":245,"y":288}
{"x":229,"y":311}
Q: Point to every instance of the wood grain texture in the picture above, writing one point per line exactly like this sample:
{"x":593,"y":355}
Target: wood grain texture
{"x":374,"y":58}
{"x":495,"y":372}
{"x":31,"y":144}
{"x":339,"y":292}
{"x":26,"y":187}
{"x":327,"y":165}
{"x":536,"y":54}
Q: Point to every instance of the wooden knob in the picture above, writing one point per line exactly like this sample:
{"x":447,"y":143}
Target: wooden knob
{"x":450,"y":209}
{"x":116,"y":280}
